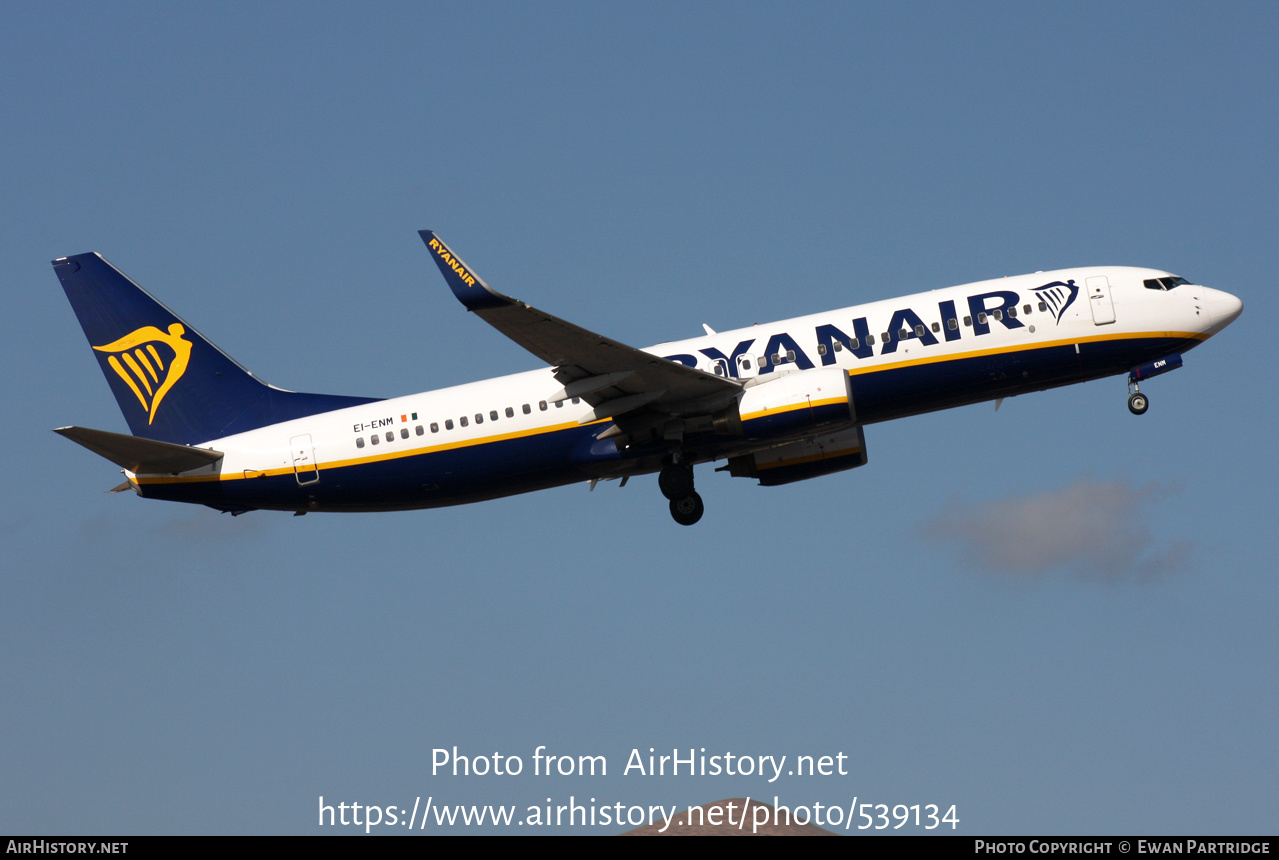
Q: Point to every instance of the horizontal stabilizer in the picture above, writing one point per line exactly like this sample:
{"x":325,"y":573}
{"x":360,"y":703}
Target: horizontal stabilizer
{"x":141,"y":455}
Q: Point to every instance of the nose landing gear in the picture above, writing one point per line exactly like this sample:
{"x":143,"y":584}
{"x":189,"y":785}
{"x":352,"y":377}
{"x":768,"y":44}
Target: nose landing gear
{"x":676,"y":483}
{"x":1138,"y":403}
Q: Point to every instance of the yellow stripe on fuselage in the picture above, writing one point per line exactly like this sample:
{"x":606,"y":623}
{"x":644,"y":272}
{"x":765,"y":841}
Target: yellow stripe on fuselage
{"x":501,"y":437}
{"x":398,"y":454}
{"x":1024,"y":347}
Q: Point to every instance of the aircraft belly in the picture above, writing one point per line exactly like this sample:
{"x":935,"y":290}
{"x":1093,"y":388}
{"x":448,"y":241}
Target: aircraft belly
{"x":430,"y":479}
{"x":895,"y":392}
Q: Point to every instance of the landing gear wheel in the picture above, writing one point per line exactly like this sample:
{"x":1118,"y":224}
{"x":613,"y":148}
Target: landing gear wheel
{"x":687,"y":509}
{"x":675,"y":480}
{"x":1137,"y":403}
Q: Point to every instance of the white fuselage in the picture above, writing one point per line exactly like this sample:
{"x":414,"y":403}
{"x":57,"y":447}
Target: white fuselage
{"x":902,"y":356}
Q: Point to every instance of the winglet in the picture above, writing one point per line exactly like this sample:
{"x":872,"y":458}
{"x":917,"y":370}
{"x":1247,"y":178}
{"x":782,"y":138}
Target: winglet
{"x":469,"y":288}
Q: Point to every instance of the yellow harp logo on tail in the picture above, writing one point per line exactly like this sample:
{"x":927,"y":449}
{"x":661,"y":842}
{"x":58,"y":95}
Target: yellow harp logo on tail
{"x":149,"y":372}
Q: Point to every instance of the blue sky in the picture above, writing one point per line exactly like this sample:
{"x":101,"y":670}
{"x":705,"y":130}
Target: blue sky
{"x":641,"y":170}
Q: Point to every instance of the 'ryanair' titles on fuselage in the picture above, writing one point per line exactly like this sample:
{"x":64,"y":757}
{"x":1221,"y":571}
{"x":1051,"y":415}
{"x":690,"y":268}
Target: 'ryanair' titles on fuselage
{"x":905,"y":324}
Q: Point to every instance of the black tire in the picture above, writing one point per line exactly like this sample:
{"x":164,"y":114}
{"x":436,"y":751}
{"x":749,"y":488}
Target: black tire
{"x":687,"y":509}
{"x":1138,"y":403}
{"x":675,"y":481}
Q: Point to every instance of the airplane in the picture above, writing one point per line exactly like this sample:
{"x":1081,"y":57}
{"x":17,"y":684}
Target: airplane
{"x":779,"y":403}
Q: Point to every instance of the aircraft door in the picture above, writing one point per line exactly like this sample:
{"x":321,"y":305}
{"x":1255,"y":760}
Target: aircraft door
{"x":1103,"y":309}
{"x":303,"y":453}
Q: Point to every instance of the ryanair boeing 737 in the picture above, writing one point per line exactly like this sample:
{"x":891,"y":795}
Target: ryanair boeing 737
{"x":781,"y":402}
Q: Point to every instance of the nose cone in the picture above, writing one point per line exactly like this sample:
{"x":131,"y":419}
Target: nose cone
{"x":1223,"y":308}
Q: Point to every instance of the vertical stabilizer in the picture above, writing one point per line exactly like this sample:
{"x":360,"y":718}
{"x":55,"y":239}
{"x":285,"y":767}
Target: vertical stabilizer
{"x":172,"y":384}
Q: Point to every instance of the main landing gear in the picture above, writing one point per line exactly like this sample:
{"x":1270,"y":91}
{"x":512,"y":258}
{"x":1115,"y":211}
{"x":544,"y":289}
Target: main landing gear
{"x":687,"y":509}
{"x":1138,"y":403}
{"x":676,"y":483}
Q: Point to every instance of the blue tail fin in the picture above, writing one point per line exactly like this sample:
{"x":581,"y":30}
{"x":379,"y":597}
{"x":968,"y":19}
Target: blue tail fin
{"x":172,"y":384}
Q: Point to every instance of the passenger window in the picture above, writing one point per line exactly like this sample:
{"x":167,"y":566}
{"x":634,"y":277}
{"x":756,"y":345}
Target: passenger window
{"x":559,"y":404}
{"x":510,"y":413}
{"x":375,"y":439}
{"x":997,"y":314}
{"x":870,"y":340}
{"x":462,"y":421}
{"x":790,"y":355}
{"x":919,"y":331}
{"x":479,"y":417}
{"x":576,"y":400}
{"x":719,"y":369}
{"x":493,"y":415}
{"x":746,"y":363}
{"x":968,"y":320}
{"x":821,"y":348}
{"x":763,"y":361}
{"x":1012,"y":312}
{"x":448,"y":423}
{"x":885,"y":337}
{"x":541,"y":405}
{"x":390,"y":435}
{"x":952,"y":324}
{"x":1025,"y":309}
{"x":1043,"y":306}
{"x":936,"y":327}
{"x":359,"y":441}
{"x":420,"y":431}
{"x":839,"y":346}
{"x":404,"y":432}
{"x":527,"y":409}
{"x":435,"y":428}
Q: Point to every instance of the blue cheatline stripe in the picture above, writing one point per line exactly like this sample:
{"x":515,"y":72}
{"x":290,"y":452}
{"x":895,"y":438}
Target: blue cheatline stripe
{"x":512,"y":465}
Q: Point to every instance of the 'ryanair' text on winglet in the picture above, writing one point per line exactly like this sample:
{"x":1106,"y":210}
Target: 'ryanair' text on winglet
{"x":469,"y":288}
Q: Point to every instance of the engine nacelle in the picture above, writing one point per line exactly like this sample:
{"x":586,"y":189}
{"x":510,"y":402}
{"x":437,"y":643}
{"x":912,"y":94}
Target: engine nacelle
{"x":797,"y":403}
{"x":799,"y":461}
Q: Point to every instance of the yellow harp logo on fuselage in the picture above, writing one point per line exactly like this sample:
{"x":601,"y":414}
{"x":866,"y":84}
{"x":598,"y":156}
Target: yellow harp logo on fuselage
{"x":143,"y":368}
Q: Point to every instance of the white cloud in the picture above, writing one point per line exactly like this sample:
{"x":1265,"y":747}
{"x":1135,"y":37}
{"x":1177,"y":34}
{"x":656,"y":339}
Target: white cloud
{"x":1091,"y":529}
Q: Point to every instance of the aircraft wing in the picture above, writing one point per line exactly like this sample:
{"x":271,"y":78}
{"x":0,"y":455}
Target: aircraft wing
{"x":609,"y":375}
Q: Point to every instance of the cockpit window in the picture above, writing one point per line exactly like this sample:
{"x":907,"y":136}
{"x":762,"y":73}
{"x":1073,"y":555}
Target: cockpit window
{"x":1164,"y":283}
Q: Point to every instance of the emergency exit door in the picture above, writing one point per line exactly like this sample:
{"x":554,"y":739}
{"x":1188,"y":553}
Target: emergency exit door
{"x":304,"y":459}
